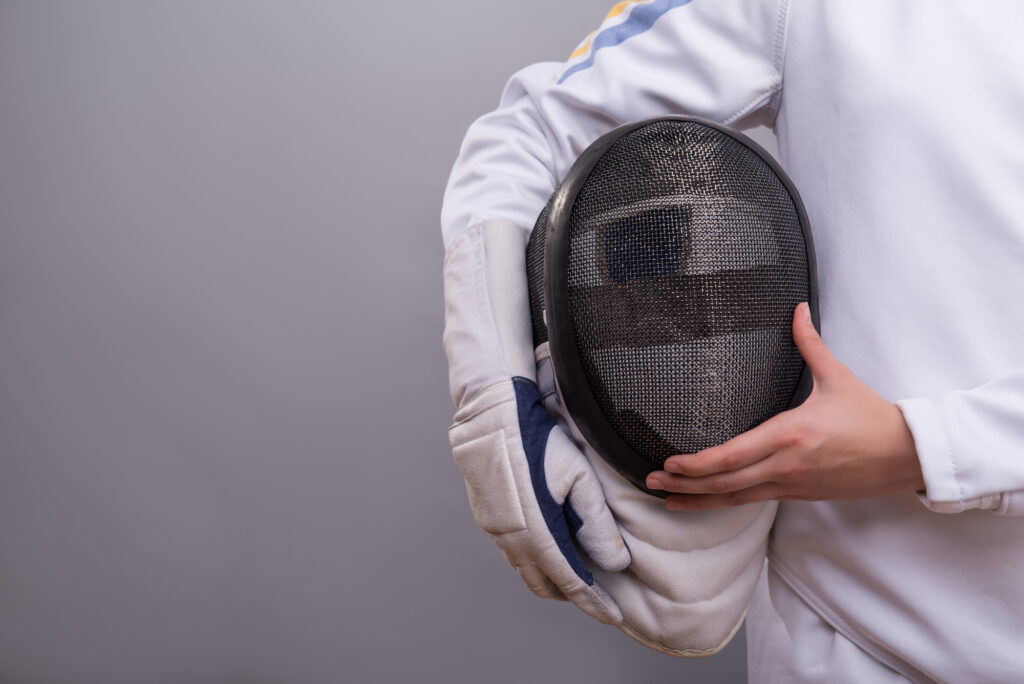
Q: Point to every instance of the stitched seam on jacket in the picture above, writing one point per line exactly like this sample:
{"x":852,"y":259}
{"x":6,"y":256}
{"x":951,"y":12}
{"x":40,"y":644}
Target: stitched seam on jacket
{"x":755,"y":103}
{"x":779,"y":56}
{"x":952,"y":460}
{"x":482,"y":309}
{"x":686,"y":652}
{"x":500,"y":399}
{"x":878,"y":651}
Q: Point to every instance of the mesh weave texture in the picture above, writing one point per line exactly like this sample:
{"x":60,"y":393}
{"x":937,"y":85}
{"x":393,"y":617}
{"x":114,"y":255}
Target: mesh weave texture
{"x":686,"y":261}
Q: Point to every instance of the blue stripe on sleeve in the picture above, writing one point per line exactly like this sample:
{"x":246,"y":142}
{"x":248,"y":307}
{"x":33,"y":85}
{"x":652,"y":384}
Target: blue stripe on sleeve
{"x":641,"y":18}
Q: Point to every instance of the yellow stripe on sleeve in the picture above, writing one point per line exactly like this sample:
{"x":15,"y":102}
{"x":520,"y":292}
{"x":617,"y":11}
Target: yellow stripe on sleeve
{"x":615,"y":11}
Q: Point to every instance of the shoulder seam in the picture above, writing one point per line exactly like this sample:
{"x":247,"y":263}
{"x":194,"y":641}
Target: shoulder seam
{"x":772,"y":95}
{"x":768,"y":95}
{"x":779,"y":55}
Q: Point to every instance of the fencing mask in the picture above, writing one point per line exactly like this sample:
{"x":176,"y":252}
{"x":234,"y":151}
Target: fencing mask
{"x":663,"y":276}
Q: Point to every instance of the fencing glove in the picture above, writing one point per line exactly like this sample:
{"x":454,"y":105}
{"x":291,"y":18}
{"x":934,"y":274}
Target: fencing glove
{"x":531,"y":489}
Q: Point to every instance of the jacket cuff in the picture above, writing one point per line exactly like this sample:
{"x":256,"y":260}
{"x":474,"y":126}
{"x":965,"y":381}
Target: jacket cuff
{"x":942,"y":491}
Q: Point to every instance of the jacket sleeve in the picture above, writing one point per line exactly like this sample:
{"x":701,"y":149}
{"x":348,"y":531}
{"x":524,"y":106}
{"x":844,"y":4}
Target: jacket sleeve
{"x":719,"y":59}
{"x":970,"y":445}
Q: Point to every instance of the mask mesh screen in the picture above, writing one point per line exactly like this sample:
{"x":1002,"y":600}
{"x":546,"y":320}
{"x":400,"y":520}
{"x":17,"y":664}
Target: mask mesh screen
{"x":686,"y":260}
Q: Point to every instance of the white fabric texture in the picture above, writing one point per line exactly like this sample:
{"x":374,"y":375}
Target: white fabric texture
{"x":788,"y":642}
{"x":897,"y":122}
{"x":686,"y":591}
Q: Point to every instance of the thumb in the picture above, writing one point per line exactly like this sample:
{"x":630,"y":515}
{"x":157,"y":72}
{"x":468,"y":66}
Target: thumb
{"x":575,"y":484}
{"x":817,"y":356}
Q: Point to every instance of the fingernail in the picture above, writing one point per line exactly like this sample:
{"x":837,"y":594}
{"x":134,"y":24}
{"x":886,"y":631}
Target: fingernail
{"x":654,"y":482}
{"x":806,"y":313}
{"x":673,"y":467}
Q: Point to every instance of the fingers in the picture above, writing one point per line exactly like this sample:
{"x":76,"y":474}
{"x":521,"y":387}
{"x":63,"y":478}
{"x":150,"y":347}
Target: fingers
{"x":539,"y":583}
{"x":739,"y":452}
{"x":570,"y":477}
{"x":759,"y":473}
{"x":599,"y":535}
{"x":590,"y":598}
{"x":772,"y":435}
{"x":595,"y":602}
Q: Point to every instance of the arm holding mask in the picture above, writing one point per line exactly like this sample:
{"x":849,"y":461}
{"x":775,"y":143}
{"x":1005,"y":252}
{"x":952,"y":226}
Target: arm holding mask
{"x":689,"y":577}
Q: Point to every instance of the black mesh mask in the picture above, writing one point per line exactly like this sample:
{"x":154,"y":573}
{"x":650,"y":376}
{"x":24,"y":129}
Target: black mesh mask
{"x":664,"y":272}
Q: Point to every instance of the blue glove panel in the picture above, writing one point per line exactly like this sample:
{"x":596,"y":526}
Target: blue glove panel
{"x":535,"y":424}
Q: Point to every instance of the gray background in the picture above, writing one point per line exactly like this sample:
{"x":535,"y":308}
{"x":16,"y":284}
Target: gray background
{"x":223,"y":399}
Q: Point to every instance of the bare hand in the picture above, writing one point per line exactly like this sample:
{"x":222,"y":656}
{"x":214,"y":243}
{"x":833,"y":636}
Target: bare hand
{"x":844,"y":442}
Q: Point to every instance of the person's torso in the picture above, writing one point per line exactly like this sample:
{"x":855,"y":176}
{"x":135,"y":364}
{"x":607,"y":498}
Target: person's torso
{"x":901,"y":126}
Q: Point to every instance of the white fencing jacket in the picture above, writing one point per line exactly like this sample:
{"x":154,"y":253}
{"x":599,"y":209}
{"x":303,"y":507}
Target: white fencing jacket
{"x":900,"y":124}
